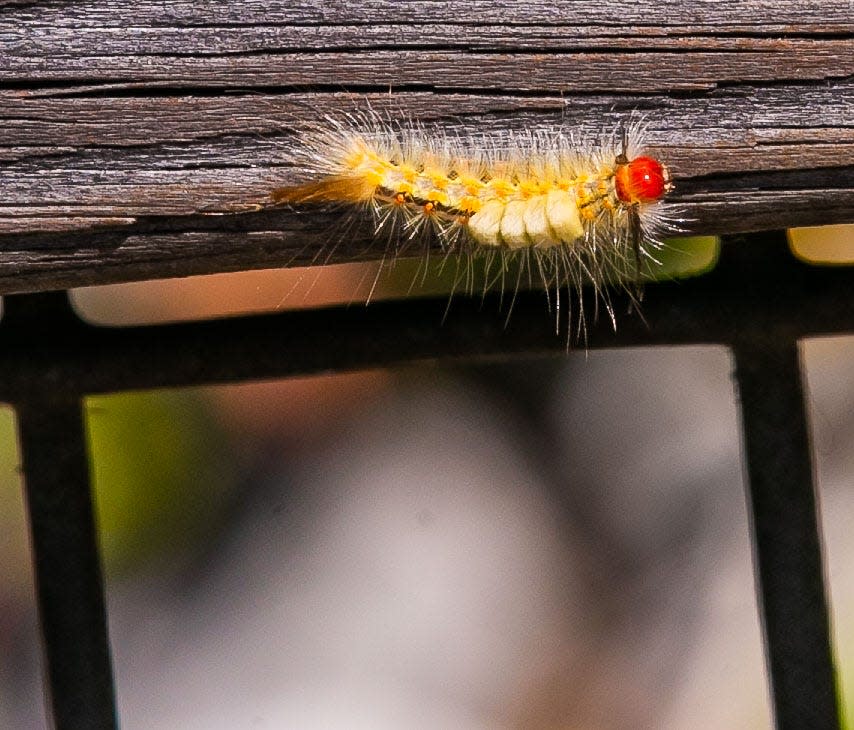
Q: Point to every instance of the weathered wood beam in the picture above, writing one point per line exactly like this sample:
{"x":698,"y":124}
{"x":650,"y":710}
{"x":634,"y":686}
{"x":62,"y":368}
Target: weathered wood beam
{"x":137,"y":141}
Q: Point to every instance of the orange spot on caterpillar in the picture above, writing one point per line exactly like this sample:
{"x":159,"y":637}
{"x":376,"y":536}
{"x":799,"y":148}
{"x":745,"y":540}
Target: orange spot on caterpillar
{"x":529,"y":187}
{"x":409,"y":173}
{"x":472,"y":185}
{"x":470,"y":204}
{"x":501,"y":187}
{"x":439,"y":180}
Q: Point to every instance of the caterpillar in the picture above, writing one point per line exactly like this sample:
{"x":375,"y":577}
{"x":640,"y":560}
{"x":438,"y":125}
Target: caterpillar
{"x":570,"y":213}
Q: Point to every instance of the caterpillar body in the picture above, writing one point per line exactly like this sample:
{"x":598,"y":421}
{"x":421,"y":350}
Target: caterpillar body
{"x":570,"y":212}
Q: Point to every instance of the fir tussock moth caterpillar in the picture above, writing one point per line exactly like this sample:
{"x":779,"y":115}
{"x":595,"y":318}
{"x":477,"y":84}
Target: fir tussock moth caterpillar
{"x":571,"y":212}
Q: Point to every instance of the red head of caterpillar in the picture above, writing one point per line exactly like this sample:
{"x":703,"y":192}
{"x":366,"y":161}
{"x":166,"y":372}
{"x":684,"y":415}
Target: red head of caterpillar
{"x":642,"y":180}
{"x":570,"y":212}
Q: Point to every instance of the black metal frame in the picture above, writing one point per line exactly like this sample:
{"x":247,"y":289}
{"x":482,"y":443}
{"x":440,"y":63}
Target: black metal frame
{"x":758,"y":301}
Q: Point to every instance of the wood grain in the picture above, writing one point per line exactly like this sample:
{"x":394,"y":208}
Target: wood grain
{"x":138,"y":140}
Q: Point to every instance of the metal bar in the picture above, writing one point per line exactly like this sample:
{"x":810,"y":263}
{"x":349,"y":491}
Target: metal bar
{"x":786,"y":540}
{"x":757,"y":285}
{"x":68,"y":571}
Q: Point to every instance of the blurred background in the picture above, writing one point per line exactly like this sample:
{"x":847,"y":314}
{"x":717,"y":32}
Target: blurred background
{"x":545,"y":543}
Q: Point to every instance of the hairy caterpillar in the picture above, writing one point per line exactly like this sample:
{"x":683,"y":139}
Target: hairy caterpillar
{"x":570,"y":213}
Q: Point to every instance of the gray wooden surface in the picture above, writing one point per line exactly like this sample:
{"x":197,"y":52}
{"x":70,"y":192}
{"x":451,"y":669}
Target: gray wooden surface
{"x":136,"y":139}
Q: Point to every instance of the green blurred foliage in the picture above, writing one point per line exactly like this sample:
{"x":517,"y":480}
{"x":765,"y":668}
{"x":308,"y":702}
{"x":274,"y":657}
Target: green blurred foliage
{"x":162,"y":470}
{"x":685,"y":257}
{"x":824,"y":245}
{"x":15,"y":572}
{"x":163,"y":473}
